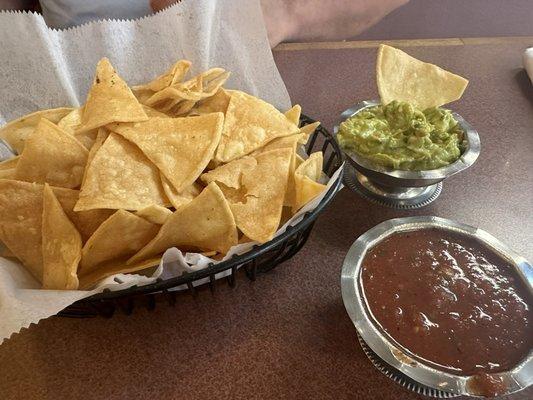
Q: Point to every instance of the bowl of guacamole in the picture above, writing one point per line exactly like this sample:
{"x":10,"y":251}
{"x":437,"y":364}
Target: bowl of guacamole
{"x":404,"y":144}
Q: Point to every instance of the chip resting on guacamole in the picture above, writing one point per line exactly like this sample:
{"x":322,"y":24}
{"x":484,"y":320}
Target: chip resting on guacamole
{"x":404,"y":78}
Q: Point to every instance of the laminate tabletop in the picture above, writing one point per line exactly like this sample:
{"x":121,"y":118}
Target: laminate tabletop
{"x":287,"y":335}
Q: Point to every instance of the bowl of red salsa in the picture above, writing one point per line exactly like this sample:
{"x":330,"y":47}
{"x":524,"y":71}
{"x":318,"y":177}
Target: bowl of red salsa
{"x":447,"y":304}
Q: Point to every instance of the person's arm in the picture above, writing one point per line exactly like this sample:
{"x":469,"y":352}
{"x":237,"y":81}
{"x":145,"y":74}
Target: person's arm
{"x":312,"y":20}
{"x":320,"y":20}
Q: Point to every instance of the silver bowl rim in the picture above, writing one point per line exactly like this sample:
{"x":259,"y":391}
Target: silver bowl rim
{"x":518,"y":378}
{"x":466,"y":159}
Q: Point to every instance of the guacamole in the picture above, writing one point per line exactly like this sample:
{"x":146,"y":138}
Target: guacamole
{"x":401,"y":136}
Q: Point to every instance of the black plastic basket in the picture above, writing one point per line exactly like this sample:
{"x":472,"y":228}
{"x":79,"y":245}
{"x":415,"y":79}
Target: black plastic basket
{"x":260,"y":259}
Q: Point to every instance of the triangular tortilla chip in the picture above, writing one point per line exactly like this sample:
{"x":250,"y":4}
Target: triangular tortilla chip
{"x":404,"y":78}
{"x":183,"y":197}
{"x":154,"y":214}
{"x":216,"y":103}
{"x":258,"y":217}
{"x":180,"y":147}
{"x":101,"y":137}
{"x":286,"y":142}
{"x":109,"y":100}
{"x":61,"y":245}
{"x":250,"y":123}
{"x":307,"y":131}
{"x":230,"y":174}
{"x":153,"y":113}
{"x":118,"y":238}
{"x":21,"y":209}
{"x":174,"y":75}
{"x":71,"y":123}
{"x":86,"y":222}
{"x":120,"y":176}
{"x":306,"y":179}
{"x":293,"y":114}
{"x":181,"y":97}
{"x":16,"y":132}
{"x":255,"y":186}
{"x":52,"y":156}
{"x":206,"y":223}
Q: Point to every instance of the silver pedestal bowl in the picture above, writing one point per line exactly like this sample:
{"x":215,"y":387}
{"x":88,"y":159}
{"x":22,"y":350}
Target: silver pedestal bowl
{"x":399,"y":188}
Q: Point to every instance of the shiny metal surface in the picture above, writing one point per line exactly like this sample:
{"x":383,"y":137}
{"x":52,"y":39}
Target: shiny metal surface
{"x":390,"y":182}
{"x":384,"y":346}
{"x":400,"y":378}
{"x":403,"y":199}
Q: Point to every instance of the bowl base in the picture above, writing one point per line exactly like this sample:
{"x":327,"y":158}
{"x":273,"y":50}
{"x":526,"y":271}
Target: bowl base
{"x":393,"y":197}
{"x":400,"y":377}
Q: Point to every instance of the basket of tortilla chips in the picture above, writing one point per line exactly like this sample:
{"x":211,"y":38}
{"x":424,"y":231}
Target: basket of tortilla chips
{"x":109,"y":187}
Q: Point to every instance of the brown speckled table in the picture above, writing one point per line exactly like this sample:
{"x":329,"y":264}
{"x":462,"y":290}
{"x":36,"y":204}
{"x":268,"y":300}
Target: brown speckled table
{"x":287,"y":336}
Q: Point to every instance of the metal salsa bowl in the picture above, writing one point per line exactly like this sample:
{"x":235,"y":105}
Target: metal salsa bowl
{"x":400,"y":358}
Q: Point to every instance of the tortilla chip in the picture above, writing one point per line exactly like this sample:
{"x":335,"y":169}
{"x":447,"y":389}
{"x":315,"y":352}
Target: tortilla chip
{"x":250,"y":124}
{"x":174,"y":75}
{"x":180,"y":199}
{"x":205,"y":224}
{"x":71,"y":123}
{"x":307,"y":131}
{"x":153,"y":113}
{"x":109,"y":100}
{"x":293,"y":114}
{"x":61,"y":245}
{"x":86,"y":222}
{"x":21,"y":208}
{"x":230,"y":174}
{"x":120,"y":177}
{"x":118,"y":238}
{"x":180,"y":147}
{"x":286,"y":142}
{"x":101,"y":137}
{"x":258,"y":217}
{"x":306,"y":179}
{"x":7,"y":173}
{"x":180,"y":98}
{"x":255,"y":186}
{"x":9,"y":164}
{"x":216,"y":103}
{"x":154,"y":214}
{"x":16,"y":132}
{"x":115,"y":267}
{"x":404,"y":78}
{"x":52,"y":156}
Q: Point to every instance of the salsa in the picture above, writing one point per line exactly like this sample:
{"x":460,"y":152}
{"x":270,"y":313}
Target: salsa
{"x":400,"y":136}
{"x":449,"y":300}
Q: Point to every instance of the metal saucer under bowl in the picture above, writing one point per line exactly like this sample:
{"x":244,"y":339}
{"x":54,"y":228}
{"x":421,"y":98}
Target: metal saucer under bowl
{"x":398,"y":188}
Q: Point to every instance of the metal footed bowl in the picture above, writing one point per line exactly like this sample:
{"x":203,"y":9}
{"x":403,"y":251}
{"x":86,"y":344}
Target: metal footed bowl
{"x":399,"y":188}
{"x":395,"y":355}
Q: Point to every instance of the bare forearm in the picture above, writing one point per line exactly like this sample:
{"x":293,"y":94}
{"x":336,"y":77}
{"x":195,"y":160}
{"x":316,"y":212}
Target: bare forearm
{"x":309,"y":20}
